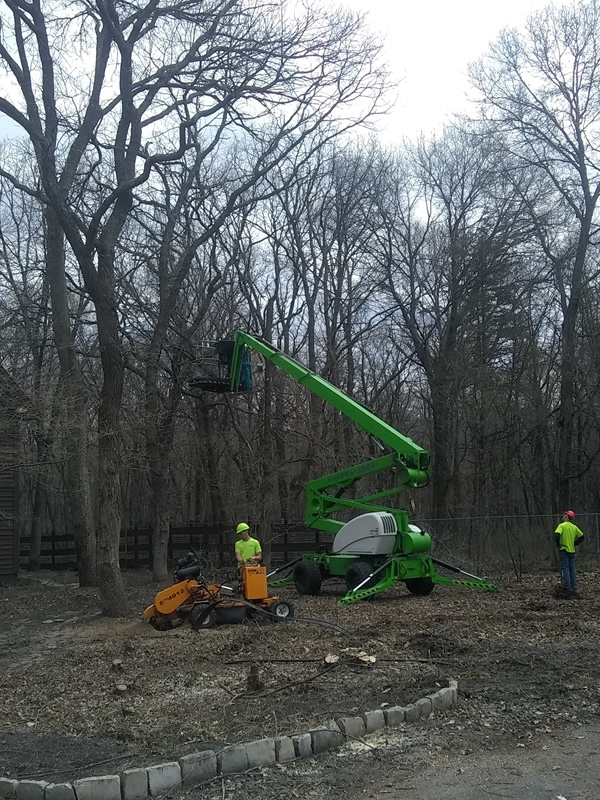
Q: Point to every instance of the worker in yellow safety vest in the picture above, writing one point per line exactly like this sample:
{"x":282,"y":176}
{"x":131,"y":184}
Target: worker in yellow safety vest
{"x":568,"y":537}
{"x":247,"y":549}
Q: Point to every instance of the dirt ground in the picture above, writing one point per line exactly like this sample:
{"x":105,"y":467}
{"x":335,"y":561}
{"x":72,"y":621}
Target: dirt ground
{"x":82,"y":695}
{"x":561,"y":765}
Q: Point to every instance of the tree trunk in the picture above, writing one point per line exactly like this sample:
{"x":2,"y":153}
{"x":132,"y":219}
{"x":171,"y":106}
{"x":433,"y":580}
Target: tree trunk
{"x":442,"y":444}
{"x":268,"y":493}
{"x":161,"y":529}
{"x":77,"y":489}
{"x":567,"y":423}
{"x":35,"y":546}
{"x":41,"y":477}
{"x":205,"y":425}
{"x":110,"y":583}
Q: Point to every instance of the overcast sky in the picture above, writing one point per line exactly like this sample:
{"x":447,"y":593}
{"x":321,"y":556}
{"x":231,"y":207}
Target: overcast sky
{"x":429,"y":44}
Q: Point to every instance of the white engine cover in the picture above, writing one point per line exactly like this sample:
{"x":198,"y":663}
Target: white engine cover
{"x":369,"y":534}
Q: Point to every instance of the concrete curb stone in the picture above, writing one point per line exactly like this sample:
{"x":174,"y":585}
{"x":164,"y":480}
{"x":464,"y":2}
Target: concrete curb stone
{"x":8,"y":788}
{"x":374,"y":720}
{"x":284,"y":750}
{"x":31,"y":790}
{"x":353,"y":727}
{"x":323,"y":739}
{"x":232,"y":759}
{"x":60,"y":791}
{"x":260,"y":753}
{"x":163,"y":778}
{"x":437,"y":702}
{"x":453,"y":685}
{"x":101,"y":787}
{"x":303,"y":745}
{"x":425,"y":707}
{"x":134,"y":784}
{"x":447,"y":696}
{"x":394,"y":716}
{"x":198,"y":767}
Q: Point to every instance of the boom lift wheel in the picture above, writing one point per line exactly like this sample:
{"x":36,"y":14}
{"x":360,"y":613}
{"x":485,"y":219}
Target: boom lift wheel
{"x":357,"y":573}
{"x":420,"y":586}
{"x":307,"y":577}
{"x":281,"y":609}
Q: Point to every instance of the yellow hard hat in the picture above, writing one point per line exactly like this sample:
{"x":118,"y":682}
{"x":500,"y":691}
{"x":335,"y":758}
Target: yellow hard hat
{"x":242,"y":527}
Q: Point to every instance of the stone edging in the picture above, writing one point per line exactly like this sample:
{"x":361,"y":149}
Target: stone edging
{"x":196,"y":768}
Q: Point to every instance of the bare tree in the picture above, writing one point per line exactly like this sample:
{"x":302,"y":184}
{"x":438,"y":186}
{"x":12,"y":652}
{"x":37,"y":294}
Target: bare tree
{"x":224,"y":67}
{"x":47,"y":239}
{"x":25,"y":296}
{"x":441,"y":231}
{"x":539,"y":100}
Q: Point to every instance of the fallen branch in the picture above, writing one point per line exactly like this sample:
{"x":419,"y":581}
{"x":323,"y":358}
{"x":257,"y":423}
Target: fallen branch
{"x":32,"y":775}
{"x":272,"y":660}
{"x":391,"y":659}
{"x":288,"y":685}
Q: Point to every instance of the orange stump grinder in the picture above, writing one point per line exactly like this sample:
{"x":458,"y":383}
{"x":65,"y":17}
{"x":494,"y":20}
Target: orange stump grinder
{"x":209,"y":604}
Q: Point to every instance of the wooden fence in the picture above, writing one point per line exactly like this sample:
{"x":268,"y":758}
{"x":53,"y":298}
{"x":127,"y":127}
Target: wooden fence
{"x":215,"y":543}
{"x":476,"y":544}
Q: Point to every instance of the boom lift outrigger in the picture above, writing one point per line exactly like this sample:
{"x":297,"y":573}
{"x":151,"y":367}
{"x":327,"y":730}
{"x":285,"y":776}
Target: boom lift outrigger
{"x":376,"y":549}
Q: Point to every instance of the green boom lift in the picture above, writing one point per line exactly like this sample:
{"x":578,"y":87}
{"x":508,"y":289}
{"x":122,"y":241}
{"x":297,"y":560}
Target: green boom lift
{"x":379,"y":547}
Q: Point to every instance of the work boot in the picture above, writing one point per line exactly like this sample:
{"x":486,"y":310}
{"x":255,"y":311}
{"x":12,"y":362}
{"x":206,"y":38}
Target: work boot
{"x":562,"y":593}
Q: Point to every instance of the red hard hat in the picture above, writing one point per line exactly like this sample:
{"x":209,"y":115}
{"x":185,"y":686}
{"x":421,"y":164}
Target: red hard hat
{"x":569,"y":514}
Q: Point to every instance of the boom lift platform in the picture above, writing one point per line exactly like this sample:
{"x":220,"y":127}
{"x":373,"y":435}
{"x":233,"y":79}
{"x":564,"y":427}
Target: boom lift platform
{"x":375,"y":550}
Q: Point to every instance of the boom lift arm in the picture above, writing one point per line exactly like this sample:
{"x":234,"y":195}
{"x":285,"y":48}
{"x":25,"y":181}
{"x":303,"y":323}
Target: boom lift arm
{"x":407,"y":460}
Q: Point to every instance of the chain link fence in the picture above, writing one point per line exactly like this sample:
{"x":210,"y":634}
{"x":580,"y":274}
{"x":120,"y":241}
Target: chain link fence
{"x":517,"y":544}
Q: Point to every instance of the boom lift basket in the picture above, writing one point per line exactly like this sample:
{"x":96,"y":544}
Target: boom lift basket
{"x":213,"y":368}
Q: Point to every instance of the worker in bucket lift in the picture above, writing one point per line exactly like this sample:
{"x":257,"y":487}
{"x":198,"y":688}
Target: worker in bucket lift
{"x":247,"y":549}
{"x":568,"y":537}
